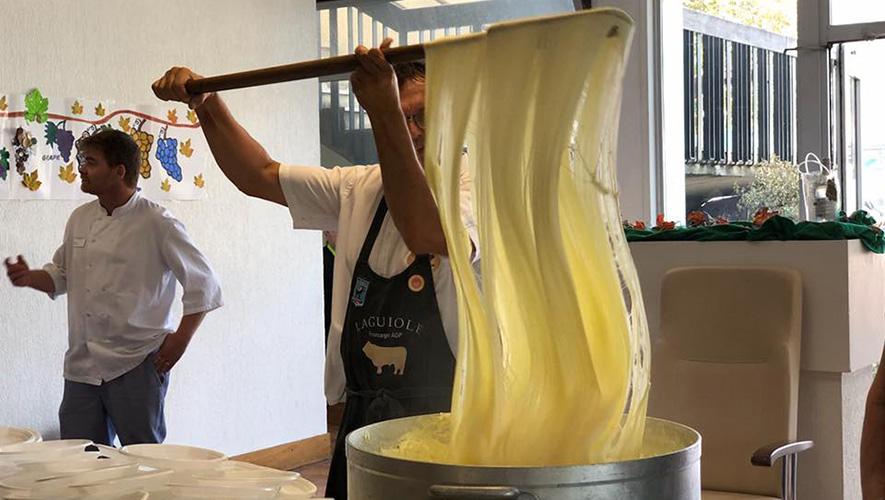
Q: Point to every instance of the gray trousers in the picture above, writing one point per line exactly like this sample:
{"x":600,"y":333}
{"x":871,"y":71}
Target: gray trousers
{"x":129,"y":407}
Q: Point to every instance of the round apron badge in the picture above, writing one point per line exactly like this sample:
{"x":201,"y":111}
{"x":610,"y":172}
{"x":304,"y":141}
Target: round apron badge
{"x":434,"y":262}
{"x":410,"y":258}
{"x":416,"y":283}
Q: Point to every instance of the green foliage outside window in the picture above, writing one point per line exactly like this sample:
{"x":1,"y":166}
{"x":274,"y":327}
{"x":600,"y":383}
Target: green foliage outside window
{"x":776,"y":16}
{"x":775,"y":185}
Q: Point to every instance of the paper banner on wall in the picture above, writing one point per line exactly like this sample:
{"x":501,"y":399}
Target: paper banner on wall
{"x":38,"y":146}
{"x":27,"y":174}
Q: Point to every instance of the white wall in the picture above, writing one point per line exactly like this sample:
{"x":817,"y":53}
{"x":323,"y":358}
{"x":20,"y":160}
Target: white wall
{"x":252,"y":377}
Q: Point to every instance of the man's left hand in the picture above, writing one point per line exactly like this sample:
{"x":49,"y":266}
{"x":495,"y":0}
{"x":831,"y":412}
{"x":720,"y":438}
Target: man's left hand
{"x":374,"y":81}
{"x":170,"y":352}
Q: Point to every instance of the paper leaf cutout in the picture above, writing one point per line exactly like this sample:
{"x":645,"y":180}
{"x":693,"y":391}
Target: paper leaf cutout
{"x":31,"y":181}
{"x":77,"y":108}
{"x":192,"y":116}
{"x":67,"y":174}
{"x":4,"y":163}
{"x":3,"y":104}
{"x":166,"y":186}
{"x":124,"y":124}
{"x":199,"y":182}
{"x":172,"y":115}
{"x":99,"y":110}
{"x":36,"y":107}
{"x":51,"y":131}
{"x":186,"y":149}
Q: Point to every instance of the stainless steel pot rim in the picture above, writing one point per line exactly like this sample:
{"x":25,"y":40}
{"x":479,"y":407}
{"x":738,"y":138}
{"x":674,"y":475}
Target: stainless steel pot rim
{"x":478,"y":474}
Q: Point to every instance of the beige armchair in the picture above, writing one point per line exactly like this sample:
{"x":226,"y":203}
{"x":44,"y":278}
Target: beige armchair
{"x":726,"y":362}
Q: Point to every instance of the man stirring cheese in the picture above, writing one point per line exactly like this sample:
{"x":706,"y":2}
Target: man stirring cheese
{"x":394,"y":318}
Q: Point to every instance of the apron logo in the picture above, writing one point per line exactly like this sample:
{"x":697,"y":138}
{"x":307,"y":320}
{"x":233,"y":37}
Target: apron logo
{"x":383,"y":356}
{"x":416,"y":283}
{"x":359,"y":292}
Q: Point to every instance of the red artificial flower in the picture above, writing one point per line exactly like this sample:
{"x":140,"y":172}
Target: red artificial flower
{"x":696,"y":218}
{"x":721,"y":220}
{"x":762,"y":215}
{"x":663,"y":225}
{"x":639,"y":225}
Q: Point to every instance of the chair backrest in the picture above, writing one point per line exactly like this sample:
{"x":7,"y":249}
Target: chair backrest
{"x":725,"y":361}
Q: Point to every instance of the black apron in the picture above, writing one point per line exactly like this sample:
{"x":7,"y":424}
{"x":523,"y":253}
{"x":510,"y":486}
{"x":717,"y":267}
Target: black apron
{"x":397,"y":360}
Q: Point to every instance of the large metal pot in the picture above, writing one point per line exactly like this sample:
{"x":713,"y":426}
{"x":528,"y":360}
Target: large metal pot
{"x":672,"y":474}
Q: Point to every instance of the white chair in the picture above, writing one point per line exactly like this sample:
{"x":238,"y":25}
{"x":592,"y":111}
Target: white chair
{"x":726,"y":363}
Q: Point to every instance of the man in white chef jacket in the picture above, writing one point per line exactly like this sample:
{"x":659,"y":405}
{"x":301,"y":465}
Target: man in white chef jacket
{"x":119,"y":262}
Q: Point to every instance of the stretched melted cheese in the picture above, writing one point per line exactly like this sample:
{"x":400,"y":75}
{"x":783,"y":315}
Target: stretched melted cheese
{"x":553,"y":351}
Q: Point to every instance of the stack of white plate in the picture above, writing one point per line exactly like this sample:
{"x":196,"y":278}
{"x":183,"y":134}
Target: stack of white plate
{"x":224,"y":480}
{"x":173,"y":456}
{"x":62,"y":469}
{"x":18,"y":435}
{"x":102,"y":480}
{"x":43,"y":450}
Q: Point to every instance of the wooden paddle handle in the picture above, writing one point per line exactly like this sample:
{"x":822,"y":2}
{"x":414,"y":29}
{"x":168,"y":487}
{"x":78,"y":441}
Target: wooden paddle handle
{"x":297,"y":71}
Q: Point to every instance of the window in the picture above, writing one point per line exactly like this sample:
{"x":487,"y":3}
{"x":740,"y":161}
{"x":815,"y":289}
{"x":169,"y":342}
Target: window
{"x":843,"y":128}
{"x":739,"y":98}
{"x":861,"y":126}
{"x":856,"y":11}
{"x":345,"y":131}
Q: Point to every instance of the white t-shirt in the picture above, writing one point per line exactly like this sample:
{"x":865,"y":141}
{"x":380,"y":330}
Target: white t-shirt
{"x":345,"y":200}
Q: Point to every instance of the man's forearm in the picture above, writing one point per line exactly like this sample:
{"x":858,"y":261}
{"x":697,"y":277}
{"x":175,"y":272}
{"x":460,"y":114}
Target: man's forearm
{"x":41,"y":280}
{"x":408,"y":196}
{"x":243,"y":160}
{"x":174,"y":345}
{"x":189,"y":324}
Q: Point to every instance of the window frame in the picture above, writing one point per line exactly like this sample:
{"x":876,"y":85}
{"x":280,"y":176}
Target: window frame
{"x":821,"y":131}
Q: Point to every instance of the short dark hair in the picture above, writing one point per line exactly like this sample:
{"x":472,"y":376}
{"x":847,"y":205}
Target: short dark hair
{"x":118,"y":148}
{"x":410,"y":71}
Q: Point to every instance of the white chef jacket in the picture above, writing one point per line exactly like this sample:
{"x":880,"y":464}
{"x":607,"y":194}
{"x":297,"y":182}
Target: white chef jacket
{"x":120,"y":273}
